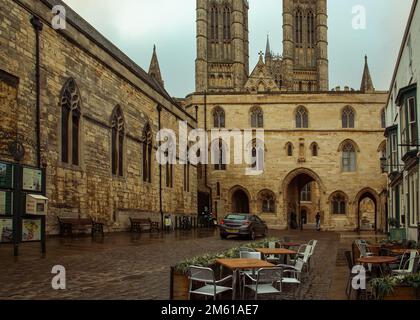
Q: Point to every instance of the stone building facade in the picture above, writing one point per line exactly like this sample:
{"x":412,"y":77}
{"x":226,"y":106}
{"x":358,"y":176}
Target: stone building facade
{"x":403,"y":114}
{"x":99,"y":115}
{"x":322,"y":148}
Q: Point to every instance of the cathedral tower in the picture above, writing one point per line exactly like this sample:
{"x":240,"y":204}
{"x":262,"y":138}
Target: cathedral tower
{"x":305,"y":45}
{"x":222,"y":63}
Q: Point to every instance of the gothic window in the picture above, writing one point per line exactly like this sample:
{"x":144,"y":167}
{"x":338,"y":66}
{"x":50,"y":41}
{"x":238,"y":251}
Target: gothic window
{"x":302,"y":118}
{"x":298,"y":26}
{"x":314,"y":149}
{"x":219,"y":117}
{"x":306,"y":194}
{"x":147,"y":153}
{"x":219,"y":155}
{"x":227,"y":24}
{"x":348,"y":157}
{"x":267,"y":201}
{"x":214,"y":23}
{"x":348,"y":118}
{"x":257,"y":155}
{"x":257,"y":118}
{"x":339,"y":204}
{"x":383,"y":119}
{"x":311,"y":29}
{"x":289,"y":149}
{"x":117,"y":143}
{"x":70,"y":123}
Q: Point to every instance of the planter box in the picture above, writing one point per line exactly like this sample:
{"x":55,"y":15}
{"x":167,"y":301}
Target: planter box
{"x":398,"y":234}
{"x":179,"y":286}
{"x":404,"y":294}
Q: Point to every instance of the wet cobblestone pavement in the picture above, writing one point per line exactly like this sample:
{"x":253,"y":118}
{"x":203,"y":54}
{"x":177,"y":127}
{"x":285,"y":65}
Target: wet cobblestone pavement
{"x":124,"y":266}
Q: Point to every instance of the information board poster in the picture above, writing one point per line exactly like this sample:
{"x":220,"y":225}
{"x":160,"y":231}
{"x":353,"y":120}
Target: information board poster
{"x":32,"y":179}
{"x":31,"y":230}
{"x":6,"y":203}
{"x":6,"y":176}
{"x":6,"y":230}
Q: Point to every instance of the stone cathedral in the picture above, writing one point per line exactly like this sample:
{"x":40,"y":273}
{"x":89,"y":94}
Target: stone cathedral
{"x":322,"y":146}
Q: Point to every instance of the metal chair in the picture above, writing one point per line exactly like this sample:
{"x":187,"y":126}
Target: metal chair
{"x":273,"y":258}
{"x":313,"y":244}
{"x":248,"y":273}
{"x":363,"y":248}
{"x":211,"y":287}
{"x":304,"y":253}
{"x":265,"y":282}
{"x":349,"y":259}
{"x":408,"y":266}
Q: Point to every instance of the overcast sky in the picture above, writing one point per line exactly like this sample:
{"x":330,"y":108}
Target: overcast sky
{"x":136,"y":25}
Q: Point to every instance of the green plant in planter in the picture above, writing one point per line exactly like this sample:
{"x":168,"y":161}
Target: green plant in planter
{"x":386,"y":286}
{"x":209,"y":260}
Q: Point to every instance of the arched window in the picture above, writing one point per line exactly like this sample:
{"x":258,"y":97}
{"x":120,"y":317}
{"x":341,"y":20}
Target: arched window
{"x":298,"y":26}
{"x":289,"y":149}
{"x":214,"y":23}
{"x":70,"y":123}
{"x":257,"y":118}
{"x":339,"y":203}
{"x":348,"y":117}
{"x":306,"y":194}
{"x":383,"y":119}
{"x":219,"y":155}
{"x":267,"y":201}
{"x":302,"y":118}
{"x":348,"y":157}
{"x":226,"y":24}
{"x":258,"y":155}
{"x":314,"y":149}
{"x":311,"y":29}
{"x":219,"y":117}
{"x":117,"y":143}
{"x":147,"y":153}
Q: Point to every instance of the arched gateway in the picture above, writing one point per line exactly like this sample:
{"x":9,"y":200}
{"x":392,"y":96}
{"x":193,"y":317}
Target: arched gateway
{"x":293,"y":185}
{"x":240,"y":200}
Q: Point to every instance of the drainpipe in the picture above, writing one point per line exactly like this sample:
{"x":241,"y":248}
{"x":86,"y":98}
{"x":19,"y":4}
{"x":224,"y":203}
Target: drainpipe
{"x":206,"y":184}
{"x":159,"y":109}
{"x":38,"y":26}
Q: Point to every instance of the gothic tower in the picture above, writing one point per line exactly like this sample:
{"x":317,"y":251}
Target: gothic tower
{"x":222,"y":63}
{"x":305,"y":45}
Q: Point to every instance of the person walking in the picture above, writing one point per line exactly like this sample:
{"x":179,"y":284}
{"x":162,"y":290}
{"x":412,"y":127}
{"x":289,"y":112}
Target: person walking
{"x":318,"y":221}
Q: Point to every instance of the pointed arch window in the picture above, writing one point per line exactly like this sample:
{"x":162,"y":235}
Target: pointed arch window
{"x":289,"y":149}
{"x":311,"y":29}
{"x":219,"y":155}
{"x":214,"y":23}
{"x":306,"y":193}
{"x":383,"y":119}
{"x":258,"y":155}
{"x":147,"y":153}
{"x":117,"y":143}
{"x":302,"y":118}
{"x":348,"y":118}
{"x":348,"y":157}
{"x":219,"y":117}
{"x":314,"y":149}
{"x":267,"y":201}
{"x":257,"y":118}
{"x":339,"y":204}
{"x":70,"y":123}
{"x":299,"y":26}
{"x":227,"y":24}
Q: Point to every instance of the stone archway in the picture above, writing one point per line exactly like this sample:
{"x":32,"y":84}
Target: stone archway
{"x":363,"y":218}
{"x":292,"y":188}
{"x":240,"y":200}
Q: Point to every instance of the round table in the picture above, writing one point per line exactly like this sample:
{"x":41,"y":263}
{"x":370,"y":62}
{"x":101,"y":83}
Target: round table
{"x":378,"y":261}
{"x":402,"y":251}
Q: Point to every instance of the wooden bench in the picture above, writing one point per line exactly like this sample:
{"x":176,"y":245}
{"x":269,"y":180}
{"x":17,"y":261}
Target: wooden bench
{"x":70,"y":225}
{"x":137,"y":225}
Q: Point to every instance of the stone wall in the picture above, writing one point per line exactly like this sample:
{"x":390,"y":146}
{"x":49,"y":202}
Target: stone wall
{"x":105,"y":78}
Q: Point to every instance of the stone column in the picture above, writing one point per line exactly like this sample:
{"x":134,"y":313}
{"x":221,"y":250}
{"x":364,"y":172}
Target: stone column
{"x":322,"y":44}
{"x":288,"y":44}
{"x":201,"y":73}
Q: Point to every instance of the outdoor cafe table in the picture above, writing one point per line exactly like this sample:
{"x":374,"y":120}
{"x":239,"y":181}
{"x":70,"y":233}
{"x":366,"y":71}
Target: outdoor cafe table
{"x":277,"y":252}
{"x":237,"y":265}
{"x":402,"y":251}
{"x":378,"y":261}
